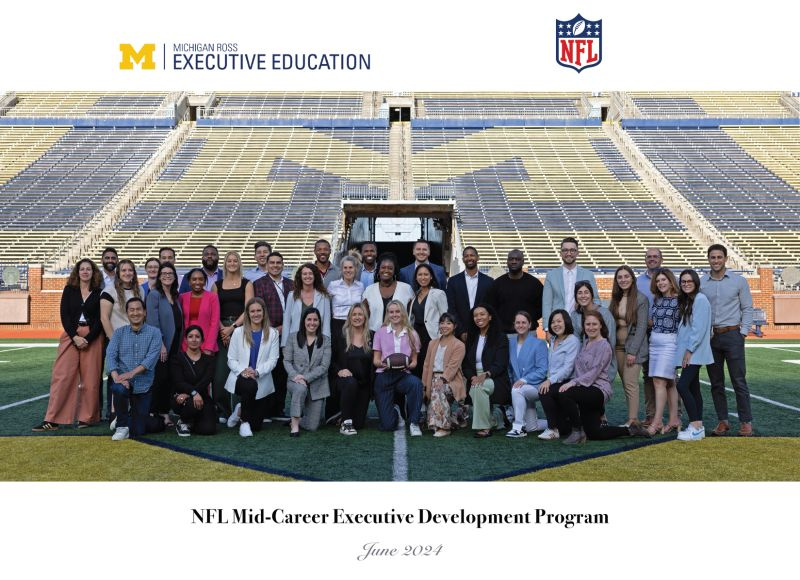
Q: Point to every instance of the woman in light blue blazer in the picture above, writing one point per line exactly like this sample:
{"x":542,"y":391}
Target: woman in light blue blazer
{"x":693,"y":350}
{"x":528,"y":369}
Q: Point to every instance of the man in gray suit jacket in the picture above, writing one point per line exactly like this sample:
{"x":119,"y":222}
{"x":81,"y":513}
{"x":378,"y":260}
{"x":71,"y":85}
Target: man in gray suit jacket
{"x":559,"y":286}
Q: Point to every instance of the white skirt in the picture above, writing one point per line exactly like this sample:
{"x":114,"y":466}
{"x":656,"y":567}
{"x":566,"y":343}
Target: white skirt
{"x":662,"y":355}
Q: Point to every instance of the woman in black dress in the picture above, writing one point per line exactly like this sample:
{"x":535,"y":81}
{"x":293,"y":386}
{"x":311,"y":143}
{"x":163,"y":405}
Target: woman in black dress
{"x":233,"y":291}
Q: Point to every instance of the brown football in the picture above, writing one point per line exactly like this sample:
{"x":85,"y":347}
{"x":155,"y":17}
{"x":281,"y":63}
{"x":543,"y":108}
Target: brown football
{"x":396,"y":361}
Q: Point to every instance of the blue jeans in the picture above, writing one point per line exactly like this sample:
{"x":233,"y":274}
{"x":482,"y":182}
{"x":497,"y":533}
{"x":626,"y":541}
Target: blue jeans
{"x":132,"y":410}
{"x":387,"y":384}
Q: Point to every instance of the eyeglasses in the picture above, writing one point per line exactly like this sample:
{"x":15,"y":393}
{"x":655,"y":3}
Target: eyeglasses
{"x":167,"y":274}
{"x":684,"y":282}
{"x":569,"y":251}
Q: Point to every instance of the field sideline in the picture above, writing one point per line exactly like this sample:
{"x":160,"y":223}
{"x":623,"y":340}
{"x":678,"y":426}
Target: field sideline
{"x":90,"y":455}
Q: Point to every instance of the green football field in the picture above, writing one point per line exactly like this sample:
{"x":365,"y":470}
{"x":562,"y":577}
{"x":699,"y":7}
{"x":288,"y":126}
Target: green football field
{"x":88,"y":454}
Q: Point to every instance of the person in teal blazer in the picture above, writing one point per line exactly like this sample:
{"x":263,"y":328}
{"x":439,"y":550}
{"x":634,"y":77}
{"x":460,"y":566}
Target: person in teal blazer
{"x":693,"y":350}
{"x":528,"y":369}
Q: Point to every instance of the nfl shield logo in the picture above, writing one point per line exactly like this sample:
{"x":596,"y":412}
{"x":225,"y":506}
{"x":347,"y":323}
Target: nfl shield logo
{"x":579,"y":43}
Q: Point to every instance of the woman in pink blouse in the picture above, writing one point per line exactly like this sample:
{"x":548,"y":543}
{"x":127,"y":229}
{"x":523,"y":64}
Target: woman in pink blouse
{"x":201,"y":307}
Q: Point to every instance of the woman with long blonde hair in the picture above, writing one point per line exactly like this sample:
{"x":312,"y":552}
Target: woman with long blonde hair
{"x":351,"y":364}
{"x":233,"y":292}
{"x":395,"y":349}
{"x":252,"y":354}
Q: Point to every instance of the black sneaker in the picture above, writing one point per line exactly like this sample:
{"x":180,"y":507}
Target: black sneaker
{"x":182,"y":429}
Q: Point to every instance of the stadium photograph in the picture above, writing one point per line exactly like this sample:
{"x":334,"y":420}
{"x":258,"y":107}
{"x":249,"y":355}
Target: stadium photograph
{"x":399,"y":286}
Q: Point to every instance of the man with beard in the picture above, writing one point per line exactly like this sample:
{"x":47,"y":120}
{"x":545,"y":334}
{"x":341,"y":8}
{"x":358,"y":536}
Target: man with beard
{"x":559,"y":285}
{"x":166,"y":255}
{"x":515,"y":291}
{"x":262,"y":251}
{"x":109,"y":261}
{"x":732,"y":317}
{"x":466,"y":289}
{"x":322,"y":253}
{"x":210,"y":262}
{"x":369,"y":267}
{"x":274,"y":289}
{"x":422,"y":253}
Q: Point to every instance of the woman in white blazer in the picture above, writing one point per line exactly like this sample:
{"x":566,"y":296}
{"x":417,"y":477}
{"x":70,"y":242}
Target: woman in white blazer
{"x":309,"y":291}
{"x":252,"y":354}
{"x":428,"y":305}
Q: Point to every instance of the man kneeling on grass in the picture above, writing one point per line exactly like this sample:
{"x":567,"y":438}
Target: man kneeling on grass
{"x":131,"y":362}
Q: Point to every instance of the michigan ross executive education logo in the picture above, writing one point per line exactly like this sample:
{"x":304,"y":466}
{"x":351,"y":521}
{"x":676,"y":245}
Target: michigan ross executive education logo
{"x":227,"y":56}
{"x":579,"y":43}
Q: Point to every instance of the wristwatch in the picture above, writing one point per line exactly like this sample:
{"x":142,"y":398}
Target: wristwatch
{"x":193,"y":393}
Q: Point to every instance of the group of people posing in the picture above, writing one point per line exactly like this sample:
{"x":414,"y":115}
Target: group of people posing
{"x":229,"y":346}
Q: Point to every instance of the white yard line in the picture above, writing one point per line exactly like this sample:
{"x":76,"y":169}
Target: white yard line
{"x":11,"y":349}
{"x":42,"y":344}
{"x":10,"y":405}
{"x":763,"y":399}
{"x":400,"y":457}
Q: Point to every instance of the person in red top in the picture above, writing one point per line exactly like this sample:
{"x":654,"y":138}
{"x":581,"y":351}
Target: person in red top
{"x":201,"y":307}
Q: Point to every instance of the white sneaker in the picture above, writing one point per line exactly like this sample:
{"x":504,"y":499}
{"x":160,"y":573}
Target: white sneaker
{"x":549,"y":434}
{"x":347,"y":428}
{"x":692,"y":434}
{"x":113,"y":424}
{"x":234,"y":418}
{"x":400,"y":421}
{"x":414,"y":429}
{"x":244,"y":429}
{"x":120,"y":433}
{"x":516,"y":434}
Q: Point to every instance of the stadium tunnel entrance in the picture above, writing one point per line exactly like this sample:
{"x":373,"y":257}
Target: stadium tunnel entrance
{"x":395,"y":225}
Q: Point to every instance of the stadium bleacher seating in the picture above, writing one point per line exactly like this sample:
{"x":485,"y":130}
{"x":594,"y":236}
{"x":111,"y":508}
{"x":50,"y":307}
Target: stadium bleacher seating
{"x":753,"y":207}
{"x":500,"y":105}
{"x":51,"y":199}
{"x":665,"y":105}
{"x":288,"y":105}
{"x":525,"y":183}
{"x":88,"y":104}
{"x":529,"y":187}
{"x":234,"y":186}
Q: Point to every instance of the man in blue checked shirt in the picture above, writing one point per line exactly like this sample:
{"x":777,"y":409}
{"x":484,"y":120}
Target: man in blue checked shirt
{"x":131,"y":361}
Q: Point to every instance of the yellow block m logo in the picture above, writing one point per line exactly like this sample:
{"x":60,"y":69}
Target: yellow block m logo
{"x":131,"y":55}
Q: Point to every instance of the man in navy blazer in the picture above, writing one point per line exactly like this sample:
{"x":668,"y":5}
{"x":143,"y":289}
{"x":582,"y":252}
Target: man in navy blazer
{"x":466,"y":289}
{"x":422,"y":251}
{"x":210,"y":262}
{"x":559,"y":286}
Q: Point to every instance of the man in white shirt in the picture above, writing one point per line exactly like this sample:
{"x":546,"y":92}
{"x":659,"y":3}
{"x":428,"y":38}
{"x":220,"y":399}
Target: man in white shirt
{"x":466,"y":289}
